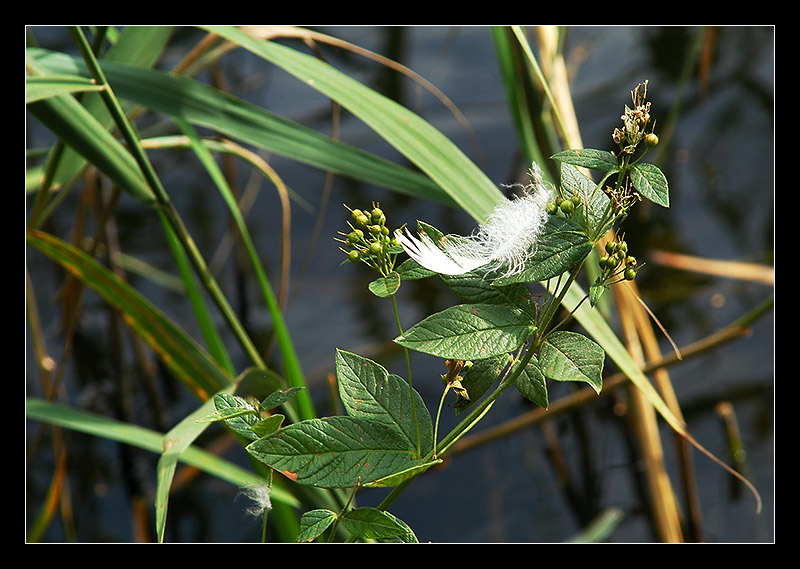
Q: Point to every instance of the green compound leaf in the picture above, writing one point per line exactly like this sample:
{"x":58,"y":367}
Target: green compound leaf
{"x":601,"y":160}
{"x":335,"y":452}
{"x":367,"y":390}
{"x":651,"y":182}
{"x":469,"y":332}
{"x":569,"y":356}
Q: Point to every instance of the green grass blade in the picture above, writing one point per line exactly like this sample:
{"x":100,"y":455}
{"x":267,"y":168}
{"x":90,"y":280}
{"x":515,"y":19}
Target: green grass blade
{"x":293,"y":371}
{"x":201,"y":105}
{"x":74,"y":125}
{"x":111,"y":429}
{"x":44,"y":87}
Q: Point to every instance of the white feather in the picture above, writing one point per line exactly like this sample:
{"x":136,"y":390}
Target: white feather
{"x":506,"y":241}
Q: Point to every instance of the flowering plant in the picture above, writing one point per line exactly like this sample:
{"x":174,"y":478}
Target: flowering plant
{"x":500,"y":336}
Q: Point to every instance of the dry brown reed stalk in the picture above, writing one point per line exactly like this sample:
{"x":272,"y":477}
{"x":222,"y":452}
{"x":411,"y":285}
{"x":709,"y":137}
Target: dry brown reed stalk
{"x":714,"y":267}
{"x":640,"y":341}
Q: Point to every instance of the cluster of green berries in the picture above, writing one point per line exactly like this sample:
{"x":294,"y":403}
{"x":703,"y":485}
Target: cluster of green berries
{"x":370,"y":240}
{"x":564,"y":205}
{"x":618,"y":261}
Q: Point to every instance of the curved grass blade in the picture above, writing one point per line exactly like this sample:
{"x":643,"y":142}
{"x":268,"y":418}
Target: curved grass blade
{"x":180,"y":353}
{"x":293,"y":371}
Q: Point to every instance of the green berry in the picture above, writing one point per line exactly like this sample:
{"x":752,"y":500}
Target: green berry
{"x":355,"y":236}
{"x":362,"y":220}
{"x":375,"y":248}
{"x":353,"y":256}
{"x":576,"y":199}
{"x":651,"y":140}
{"x":630,"y":274}
{"x":567,"y":206}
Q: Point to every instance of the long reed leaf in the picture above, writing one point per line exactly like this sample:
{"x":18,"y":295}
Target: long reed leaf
{"x":232,"y":117}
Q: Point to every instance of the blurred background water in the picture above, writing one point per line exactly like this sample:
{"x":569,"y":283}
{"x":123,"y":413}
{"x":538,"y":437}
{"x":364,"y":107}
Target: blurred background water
{"x":720,"y":168}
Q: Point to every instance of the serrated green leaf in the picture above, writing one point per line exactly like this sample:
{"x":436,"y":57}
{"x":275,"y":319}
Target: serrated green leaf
{"x":474,"y":287}
{"x":371,"y":523}
{"x":268,"y":426}
{"x":368,"y":390}
{"x":595,"y":292}
{"x":278,"y":398}
{"x":469,"y":332}
{"x":601,"y":160}
{"x":313,"y":523}
{"x":335,"y":452}
{"x":385,"y":286}
{"x":531,"y":384}
{"x":651,"y":183}
{"x":238,"y":414}
{"x":561,"y":247}
{"x":570,"y":356}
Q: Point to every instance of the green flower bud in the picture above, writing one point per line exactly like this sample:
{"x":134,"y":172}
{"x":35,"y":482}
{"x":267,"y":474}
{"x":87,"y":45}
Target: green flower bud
{"x":375,"y":248}
{"x":377,"y":216}
{"x":362,"y":220}
{"x":353,"y":256}
{"x":355,"y":236}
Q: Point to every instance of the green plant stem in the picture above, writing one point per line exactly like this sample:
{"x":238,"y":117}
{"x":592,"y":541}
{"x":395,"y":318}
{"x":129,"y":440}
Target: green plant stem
{"x":410,"y":383}
{"x":438,"y":415}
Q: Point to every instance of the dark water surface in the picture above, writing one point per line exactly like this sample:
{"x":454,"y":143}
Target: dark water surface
{"x":720,"y":167}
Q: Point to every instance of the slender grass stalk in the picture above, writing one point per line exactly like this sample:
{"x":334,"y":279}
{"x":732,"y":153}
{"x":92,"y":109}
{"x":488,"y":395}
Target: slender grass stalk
{"x":410,"y":381}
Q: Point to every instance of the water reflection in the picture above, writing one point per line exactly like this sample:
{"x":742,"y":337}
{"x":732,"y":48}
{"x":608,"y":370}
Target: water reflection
{"x":720,"y":167}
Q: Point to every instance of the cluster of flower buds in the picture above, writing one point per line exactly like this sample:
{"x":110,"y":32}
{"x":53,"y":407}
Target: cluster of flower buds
{"x":617,"y":261}
{"x":369,"y":240}
{"x":565,"y":205}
